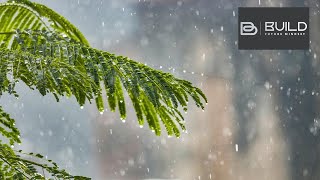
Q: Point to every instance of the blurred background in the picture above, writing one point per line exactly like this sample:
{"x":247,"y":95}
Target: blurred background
{"x":263,"y":116}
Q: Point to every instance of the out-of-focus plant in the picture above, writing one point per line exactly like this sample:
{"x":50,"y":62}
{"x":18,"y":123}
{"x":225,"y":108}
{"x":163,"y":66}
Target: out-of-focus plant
{"x":45,"y":51}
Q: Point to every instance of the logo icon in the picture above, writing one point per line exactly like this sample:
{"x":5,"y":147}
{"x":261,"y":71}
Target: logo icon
{"x":248,"y":29}
{"x":273,"y":28}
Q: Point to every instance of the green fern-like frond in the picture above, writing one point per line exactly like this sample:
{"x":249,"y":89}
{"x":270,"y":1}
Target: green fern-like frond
{"x":45,"y":51}
{"x":39,"y":53}
{"x":23,"y":14}
{"x":48,"y":75}
{"x":155,"y":95}
{"x":8,"y":129}
{"x":57,"y":23}
{"x":19,"y":165}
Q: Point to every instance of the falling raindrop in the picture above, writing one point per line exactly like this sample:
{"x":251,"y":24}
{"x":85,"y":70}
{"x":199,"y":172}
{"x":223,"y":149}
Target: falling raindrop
{"x":204,"y":56}
{"x":122,"y":172}
{"x":267,"y":85}
{"x":131,"y":162}
{"x":251,"y":104}
{"x":50,"y":133}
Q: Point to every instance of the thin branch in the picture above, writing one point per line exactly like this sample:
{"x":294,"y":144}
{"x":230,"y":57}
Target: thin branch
{"x":44,"y":174}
